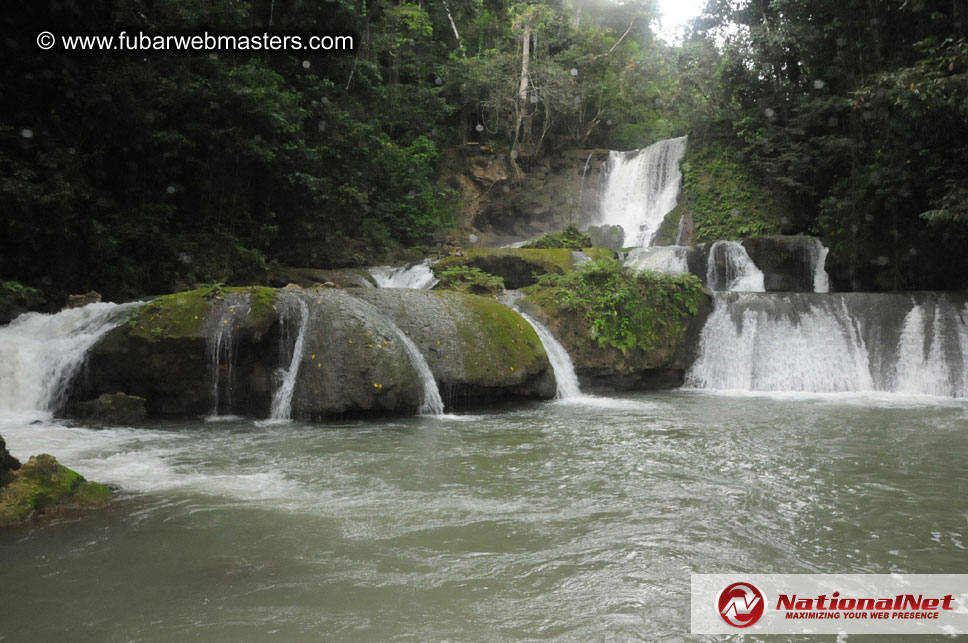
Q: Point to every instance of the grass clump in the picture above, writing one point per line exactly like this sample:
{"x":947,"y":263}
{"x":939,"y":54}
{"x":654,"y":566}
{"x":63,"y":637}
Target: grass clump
{"x":570,"y":237}
{"x":470,"y":280}
{"x":623,"y":308}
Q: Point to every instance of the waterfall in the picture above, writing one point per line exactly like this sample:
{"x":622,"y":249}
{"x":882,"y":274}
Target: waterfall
{"x":682,"y":233}
{"x":40,"y":354}
{"x":416,"y":275}
{"x":641,"y":187}
{"x":566,"y":381}
{"x":729,"y":267}
{"x":659,"y":259}
{"x":281,"y":408}
{"x":226,"y":316}
{"x":851,"y":342}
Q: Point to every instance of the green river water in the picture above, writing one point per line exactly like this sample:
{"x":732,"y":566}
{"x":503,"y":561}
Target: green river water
{"x":572,"y":521}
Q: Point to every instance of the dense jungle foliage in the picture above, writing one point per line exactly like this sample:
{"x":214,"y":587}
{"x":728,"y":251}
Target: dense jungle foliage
{"x":141,"y":172}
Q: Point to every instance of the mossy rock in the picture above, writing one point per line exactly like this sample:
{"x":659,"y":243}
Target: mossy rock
{"x":174,"y":316}
{"x":44,"y":487}
{"x":517,"y":266}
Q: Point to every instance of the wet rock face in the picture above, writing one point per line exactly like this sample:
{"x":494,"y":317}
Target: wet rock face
{"x":787,"y":262}
{"x":354,"y":360}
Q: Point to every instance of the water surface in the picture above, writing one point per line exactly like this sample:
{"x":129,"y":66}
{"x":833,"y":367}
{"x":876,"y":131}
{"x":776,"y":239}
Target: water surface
{"x":575,"y":520}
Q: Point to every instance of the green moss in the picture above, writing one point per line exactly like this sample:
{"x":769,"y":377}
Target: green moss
{"x":551,"y":260}
{"x":42,"y":486}
{"x":172,"y":316}
{"x":470,"y":280}
{"x":725,"y":199}
{"x":570,"y":237}
{"x":498,"y":340}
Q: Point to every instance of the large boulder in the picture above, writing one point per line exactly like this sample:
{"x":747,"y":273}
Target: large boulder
{"x":190,"y":354}
{"x":166,"y":353}
{"x":476,"y":347}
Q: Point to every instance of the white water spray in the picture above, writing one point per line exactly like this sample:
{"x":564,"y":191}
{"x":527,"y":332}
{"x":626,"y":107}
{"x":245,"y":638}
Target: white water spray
{"x":641,"y":187}
{"x":40,"y":354}
{"x":729,"y":267}
{"x":417,"y":276}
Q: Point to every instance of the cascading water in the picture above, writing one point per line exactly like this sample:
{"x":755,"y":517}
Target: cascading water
{"x":432,"y":403}
{"x":226,"y":316}
{"x":853,"y":342}
{"x":659,"y":259}
{"x":40,"y":354}
{"x":417,"y":275}
{"x":294,"y":311}
{"x":566,"y":381}
{"x":729,"y":267}
{"x":641,"y":187}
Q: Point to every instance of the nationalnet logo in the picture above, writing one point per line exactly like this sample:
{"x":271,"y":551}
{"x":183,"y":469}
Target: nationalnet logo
{"x":740,"y":604}
{"x":830,"y":604}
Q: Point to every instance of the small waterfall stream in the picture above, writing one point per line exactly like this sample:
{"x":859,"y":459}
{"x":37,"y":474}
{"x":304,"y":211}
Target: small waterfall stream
{"x":641,"y":187}
{"x":566,"y":381}
{"x":432,"y":403}
{"x":295,"y":311}
{"x":40,"y":354}
{"x":415,"y":275}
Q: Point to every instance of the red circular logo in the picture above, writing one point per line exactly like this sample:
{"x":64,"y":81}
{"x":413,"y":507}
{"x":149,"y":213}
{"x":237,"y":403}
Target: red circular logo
{"x":740,"y":604}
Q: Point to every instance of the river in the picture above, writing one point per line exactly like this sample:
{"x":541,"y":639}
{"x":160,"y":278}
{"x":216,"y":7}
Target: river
{"x":572,"y":520}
